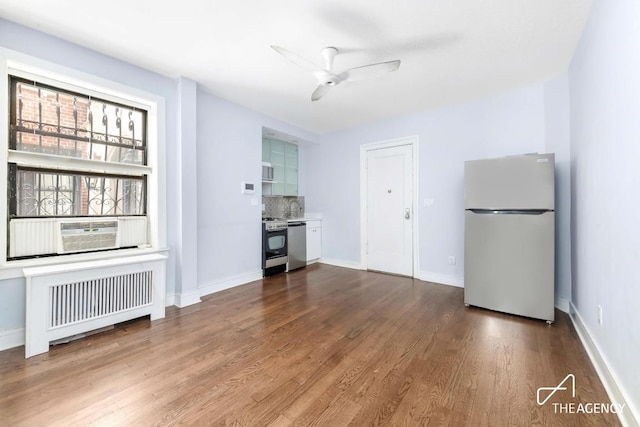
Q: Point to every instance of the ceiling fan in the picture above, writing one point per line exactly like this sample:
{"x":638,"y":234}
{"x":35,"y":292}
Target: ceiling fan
{"x":327,"y":78}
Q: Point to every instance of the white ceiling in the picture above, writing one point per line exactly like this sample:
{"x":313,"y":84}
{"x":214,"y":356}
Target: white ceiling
{"x":451,"y":50}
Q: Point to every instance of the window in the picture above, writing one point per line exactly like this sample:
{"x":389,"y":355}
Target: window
{"x":75,"y":162}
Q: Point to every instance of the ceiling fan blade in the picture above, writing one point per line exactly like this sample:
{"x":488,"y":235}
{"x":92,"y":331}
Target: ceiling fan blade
{"x":296,"y":59}
{"x":368,"y":71}
{"x":320,"y":91}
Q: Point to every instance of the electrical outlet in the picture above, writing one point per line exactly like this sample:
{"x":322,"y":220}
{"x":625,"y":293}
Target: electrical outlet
{"x":452,"y":260}
{"x":600,"y":315}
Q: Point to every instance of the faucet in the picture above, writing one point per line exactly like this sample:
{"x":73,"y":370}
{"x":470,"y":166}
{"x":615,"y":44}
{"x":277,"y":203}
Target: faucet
{"x":295,"y":212}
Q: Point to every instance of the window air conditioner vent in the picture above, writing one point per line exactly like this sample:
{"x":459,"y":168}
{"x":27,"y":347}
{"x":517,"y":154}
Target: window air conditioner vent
{"x":82,"y":236}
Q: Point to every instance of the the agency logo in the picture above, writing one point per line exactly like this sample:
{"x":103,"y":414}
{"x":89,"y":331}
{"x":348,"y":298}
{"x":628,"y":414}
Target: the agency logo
{"x":553,"y":390}
{"x":568,"y":384}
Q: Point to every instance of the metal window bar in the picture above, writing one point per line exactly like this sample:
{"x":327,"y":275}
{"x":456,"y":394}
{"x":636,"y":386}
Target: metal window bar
{"x":128,"y":194}
{"x":72,"y":129}
{"x":40,"y":118}
{"x":51,"y":193}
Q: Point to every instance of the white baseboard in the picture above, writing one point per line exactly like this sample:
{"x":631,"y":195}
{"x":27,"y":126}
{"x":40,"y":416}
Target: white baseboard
{"x":186,"y":299}
{"x":11,"y":338}
{"x":341,"y":263}
{"x":630,"y":415}
{"x":562,"y":305}
{"x":443,"y":279}
{"x":229,"y":282}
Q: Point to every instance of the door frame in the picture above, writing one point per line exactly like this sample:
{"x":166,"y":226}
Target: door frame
{"x":364,"y":238}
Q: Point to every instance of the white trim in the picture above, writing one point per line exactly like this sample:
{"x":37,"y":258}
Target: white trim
{"x":442,"y":279}
{"x":229,"y":282}
{"x":186,"y":299}
{"x":18,"y":63}
{"x":341,"y":263}
{"x":630,"y":416}
{"x":47,"y":270}
{"x":562,"y":304}
{"x":11,"y":338}
{"x":364,"y":148}
{"x":4,"y":146}
{"x":51,"y":161}
{"x":49,"y":73}
{"x":14,"y":269}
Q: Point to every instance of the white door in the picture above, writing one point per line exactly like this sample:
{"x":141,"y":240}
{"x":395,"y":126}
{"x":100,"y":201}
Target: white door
{"x":390,"y":210}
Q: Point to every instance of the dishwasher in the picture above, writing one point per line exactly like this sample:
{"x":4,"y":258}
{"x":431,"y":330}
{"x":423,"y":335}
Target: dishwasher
{"x":297,"y":242}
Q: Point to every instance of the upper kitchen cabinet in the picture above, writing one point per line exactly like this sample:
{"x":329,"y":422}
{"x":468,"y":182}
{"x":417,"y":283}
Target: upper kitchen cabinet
{"x":266,"y":150}
{"x":290,"y":170}
{"x":283,"y":157}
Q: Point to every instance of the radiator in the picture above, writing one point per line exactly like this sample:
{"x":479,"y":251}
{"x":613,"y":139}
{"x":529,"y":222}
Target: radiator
{"x":70,"y":299}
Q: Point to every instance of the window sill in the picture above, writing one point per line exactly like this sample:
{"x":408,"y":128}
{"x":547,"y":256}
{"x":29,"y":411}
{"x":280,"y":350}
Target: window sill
{"x":14,"y":269}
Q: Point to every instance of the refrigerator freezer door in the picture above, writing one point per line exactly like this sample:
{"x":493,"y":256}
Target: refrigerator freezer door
{"x":509,"y":263}
{"x":517,"y":182}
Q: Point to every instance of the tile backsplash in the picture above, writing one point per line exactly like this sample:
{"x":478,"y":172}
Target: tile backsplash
{"x":283,"y":206}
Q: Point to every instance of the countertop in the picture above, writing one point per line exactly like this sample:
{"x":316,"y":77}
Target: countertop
{"x":307,"y":217}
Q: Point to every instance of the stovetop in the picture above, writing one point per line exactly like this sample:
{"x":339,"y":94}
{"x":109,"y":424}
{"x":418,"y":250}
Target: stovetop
{"x":271,"y":223}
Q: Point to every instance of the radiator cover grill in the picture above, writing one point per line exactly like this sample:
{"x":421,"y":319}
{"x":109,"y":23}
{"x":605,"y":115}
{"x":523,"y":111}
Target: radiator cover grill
{"x":76,"y":302}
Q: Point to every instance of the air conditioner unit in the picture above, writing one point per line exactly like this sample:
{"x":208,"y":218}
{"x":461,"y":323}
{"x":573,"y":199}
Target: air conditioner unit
{"x":48,"y":236}
{"x":83,"y":235}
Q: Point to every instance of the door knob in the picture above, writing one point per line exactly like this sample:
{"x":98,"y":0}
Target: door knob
{"x":407,"y":215}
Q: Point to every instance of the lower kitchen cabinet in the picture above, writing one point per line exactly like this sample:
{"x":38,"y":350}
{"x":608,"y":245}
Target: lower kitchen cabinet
{"x":314,"y":240}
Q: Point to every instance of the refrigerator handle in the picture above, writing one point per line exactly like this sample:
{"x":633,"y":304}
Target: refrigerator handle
{"x":510,"y":211}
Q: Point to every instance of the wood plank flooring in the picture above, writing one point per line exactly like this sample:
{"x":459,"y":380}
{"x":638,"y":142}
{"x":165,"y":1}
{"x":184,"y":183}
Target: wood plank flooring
{"x":322,"y":346}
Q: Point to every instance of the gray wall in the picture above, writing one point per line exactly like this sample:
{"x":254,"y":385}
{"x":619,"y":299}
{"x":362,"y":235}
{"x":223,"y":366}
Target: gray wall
{"x":605,"y":157}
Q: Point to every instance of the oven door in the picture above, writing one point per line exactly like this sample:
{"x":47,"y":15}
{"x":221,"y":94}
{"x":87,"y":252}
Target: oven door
{"x":275,"y":247}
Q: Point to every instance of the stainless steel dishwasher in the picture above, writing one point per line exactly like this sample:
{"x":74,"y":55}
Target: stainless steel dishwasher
{"x":297,"y":242}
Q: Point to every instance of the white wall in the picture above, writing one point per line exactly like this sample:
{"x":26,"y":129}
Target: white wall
{"x":229,"y":146}
{"x":38,"y":45}
{"x":504,"y":124}
{"x":213,"y":232}
{"x":557,"y":137}
{"x":186,"y":250}
{"x":605,"y":154}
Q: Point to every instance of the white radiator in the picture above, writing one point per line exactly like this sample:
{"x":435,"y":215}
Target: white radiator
{"x":69,"y":299}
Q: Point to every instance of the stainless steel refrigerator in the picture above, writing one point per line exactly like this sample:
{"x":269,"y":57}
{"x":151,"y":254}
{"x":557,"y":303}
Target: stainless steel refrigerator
{"x":509,"y":247}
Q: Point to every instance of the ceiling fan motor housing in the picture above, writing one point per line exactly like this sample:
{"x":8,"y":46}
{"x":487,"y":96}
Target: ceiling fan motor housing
{"x":330,"y":81}
{"x":327,"y":79}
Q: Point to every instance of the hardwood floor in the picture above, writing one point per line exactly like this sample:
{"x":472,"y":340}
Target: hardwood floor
{"x":322,"y":346}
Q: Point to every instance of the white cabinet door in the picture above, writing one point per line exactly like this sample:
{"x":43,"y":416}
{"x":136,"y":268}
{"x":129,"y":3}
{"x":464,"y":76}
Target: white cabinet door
{"x":314,"y":243}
